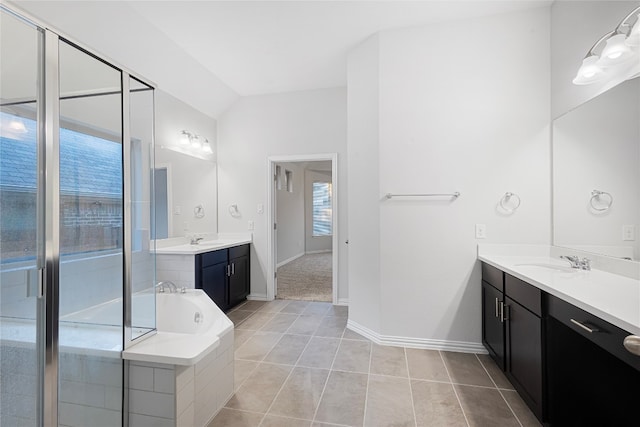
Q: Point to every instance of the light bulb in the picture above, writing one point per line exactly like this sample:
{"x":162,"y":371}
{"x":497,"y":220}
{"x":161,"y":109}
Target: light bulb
{"x":615,"y":51}
{"x":207,"y":146}
{"x":185,"y":139}
{"x":589,"y":72}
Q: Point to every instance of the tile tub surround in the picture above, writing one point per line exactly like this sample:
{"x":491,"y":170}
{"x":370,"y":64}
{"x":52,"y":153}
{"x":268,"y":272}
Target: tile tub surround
{"x":612,"y":297}
{"x":169,"y":395}
{"x":316,"y":372}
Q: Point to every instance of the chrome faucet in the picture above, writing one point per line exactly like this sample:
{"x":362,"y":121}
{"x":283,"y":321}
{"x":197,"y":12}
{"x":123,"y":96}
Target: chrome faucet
{"x":172,"y":287}
{"x":195,"y":240}
{"x":577,"y":262}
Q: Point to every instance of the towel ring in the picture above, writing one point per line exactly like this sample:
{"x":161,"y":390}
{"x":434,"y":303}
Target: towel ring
{"x":596,"y":195}
{"x":505,"y":199}
{"x":198,"y":211}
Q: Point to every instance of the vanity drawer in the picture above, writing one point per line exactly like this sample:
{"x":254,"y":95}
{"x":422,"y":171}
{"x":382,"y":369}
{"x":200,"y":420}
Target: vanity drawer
{"x":214,"y":257}
{"x":604,"y":334}
{"x":525,"y":294}
{"x":237,"y":251}
{"x":493,"y":276}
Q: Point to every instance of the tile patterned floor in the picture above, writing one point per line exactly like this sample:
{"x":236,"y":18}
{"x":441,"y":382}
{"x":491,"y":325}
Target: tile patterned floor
{"x":298,"y":366}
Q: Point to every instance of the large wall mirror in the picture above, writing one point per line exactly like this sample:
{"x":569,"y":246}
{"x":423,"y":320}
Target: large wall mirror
{"x":596,"y":174}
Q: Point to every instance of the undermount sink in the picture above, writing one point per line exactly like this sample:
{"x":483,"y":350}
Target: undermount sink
{"x":555,"y":267}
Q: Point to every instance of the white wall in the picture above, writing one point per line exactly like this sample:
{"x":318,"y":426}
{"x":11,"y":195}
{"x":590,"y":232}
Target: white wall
{"x":257,"y":127}
{"x":575,"y":27}
{"x":470,"y":114}
{"x":290,"y":215}
{"x":317,"y":243}
{"x":193,"y":181}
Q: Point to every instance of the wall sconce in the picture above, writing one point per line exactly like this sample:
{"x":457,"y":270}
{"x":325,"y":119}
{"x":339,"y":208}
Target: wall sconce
{"x":194,"y":145}
{"x":620,"y":49}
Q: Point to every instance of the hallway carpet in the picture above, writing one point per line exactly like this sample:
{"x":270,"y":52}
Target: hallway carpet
{"x":307,"y":278}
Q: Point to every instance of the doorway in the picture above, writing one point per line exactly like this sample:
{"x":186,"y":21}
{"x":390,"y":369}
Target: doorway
{"x":303,"y":250}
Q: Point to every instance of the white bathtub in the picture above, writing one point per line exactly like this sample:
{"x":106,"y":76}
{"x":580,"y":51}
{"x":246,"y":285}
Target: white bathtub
{"x":189,"y":327}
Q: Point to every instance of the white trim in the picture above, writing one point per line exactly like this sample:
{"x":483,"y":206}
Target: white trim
{"x":258,"y":297}
{"x":288,"y":260}
{"x":421,"y":343}
{"x":343,"y":301}
{"x":271,"y":240}
{"x":323,"y":251}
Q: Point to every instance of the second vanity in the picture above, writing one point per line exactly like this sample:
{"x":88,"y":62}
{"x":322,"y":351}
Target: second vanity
{"x":557,"y":333}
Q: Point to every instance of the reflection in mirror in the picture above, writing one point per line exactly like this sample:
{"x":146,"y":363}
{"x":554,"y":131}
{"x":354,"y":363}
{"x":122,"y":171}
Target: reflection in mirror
{"x":596,"y":174}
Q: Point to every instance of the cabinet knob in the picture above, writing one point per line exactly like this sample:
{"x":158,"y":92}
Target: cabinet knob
{"x":632,"y":344}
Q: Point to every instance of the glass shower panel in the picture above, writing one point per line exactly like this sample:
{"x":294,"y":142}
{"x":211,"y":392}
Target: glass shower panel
{"x":19,"y":235}
{"x":143,"y":315}
{"x":91,"y":240}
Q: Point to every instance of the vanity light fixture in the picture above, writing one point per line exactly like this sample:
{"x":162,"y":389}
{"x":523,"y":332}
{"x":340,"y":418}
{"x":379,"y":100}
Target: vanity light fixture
{"x":620,"y":47}
{"x":193,"y":144}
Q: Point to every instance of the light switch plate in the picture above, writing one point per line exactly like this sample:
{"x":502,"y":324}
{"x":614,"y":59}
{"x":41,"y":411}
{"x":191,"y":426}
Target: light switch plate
{"x":260,"y":208}
{"x":628,"y":232}
{"x":250,"y":225}
{"x":481,"y":231}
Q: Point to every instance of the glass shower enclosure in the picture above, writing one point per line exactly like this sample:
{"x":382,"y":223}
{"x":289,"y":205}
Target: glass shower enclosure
{"x":77,"y":266}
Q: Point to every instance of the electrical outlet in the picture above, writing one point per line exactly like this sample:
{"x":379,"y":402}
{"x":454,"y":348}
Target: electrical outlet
{"x":629,"y":232}
{"x":250,"y":225}
{"x":260,"y":208}
{"x":177,"y":210}
{"x":481,"y":231}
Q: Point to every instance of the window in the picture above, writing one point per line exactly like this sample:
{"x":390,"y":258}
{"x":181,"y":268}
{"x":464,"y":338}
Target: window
{"x":322,"y":213}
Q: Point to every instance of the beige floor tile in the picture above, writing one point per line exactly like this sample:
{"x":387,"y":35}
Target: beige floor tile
{"x":259,"y":390}
{"x":251,"y":305}
{"x":343,"y":399}
{"x":275,"y":421}
{"x":351,"y":335}
{"x":495,"y":372}
{"x":231,"y":418}
{"x":239,"y":316}
{"x":436,"y":404}
{"x":389,"y":402}
{"x":338,"y":310}
{"x":242,"y":370}
{"x":280,"y":322}
{"x":295,"y":307}
{"x":319,"y":353}
{"x":465,"y":368}
{"x":426,"y":365}
{"x":305,"y":325}
{"x":301,"y":393}
{"x":387,"y":360}
{"x":332,"y":326}
{"x":257,"y":321}
{"x":317,"y":308}
{"x":353,"y":356}
{"x":274,"y":306}
{"x":288,"y":349}
{"x":485,"y":407}
{"x":522,"y":411}
{"x":240,"y":336}
{"x":257,"y":346}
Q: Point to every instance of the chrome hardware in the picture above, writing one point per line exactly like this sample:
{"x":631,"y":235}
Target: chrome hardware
{"x":577,"y":262}
{"x":183,"y":290}
{"x":497,"y":309}
{"x":504,"y":202}
{"x":454,"y":195}
{"x":632,"y":344}
{"x":196,"y":240}
{"x":503,"y":308}
{"x":596,"y":195}
{"x":228,"y":270}
{"x":172,"y":287}
{"x":585,"y":327}
{"x":233,"y":268}
{"x":197,"y":317}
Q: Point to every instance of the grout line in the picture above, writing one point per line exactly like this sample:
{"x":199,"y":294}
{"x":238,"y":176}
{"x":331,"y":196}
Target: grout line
{"x":315,"y":414}
{"x":499,"y":391}
{"x":366,"y":394}
{"x":413,"y":406}
{"x":452,"y":386}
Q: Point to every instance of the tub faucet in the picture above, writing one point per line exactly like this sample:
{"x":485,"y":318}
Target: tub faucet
{"x":172,"y":287}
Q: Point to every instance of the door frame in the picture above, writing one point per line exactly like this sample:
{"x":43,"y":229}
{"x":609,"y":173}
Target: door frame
{"x":271,"y":217}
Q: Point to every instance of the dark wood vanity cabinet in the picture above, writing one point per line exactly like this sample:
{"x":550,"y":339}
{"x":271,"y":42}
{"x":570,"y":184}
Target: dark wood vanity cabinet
{"x":224,"y":275}
{"x":512,"y":332}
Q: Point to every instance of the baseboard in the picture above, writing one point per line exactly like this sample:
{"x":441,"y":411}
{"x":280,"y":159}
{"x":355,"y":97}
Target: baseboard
{"x":258,"y":297}
{"x":421,"y":343}
{"x":288,"y":260}
{"x":323,"y":251}
{"x":343,"y":301}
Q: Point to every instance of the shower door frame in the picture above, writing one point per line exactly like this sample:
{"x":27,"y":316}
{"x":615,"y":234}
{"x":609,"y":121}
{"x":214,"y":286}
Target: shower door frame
{"x":48,"y":211}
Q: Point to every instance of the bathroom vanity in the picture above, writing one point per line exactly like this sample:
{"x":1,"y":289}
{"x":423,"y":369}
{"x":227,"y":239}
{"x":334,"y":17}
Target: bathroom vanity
{"x":220,"y":267}
{"x":557,"y":332}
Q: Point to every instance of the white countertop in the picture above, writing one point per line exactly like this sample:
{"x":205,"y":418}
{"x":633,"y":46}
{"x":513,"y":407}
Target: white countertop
{"x":202,"y":247}
{"x":611,"y":297}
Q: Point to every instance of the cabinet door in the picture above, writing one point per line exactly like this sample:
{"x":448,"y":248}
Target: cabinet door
{"x":524,"y":353}
{"x":238,"y":289}
{"x":214,"y":283}
{"x":492,"y":327}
